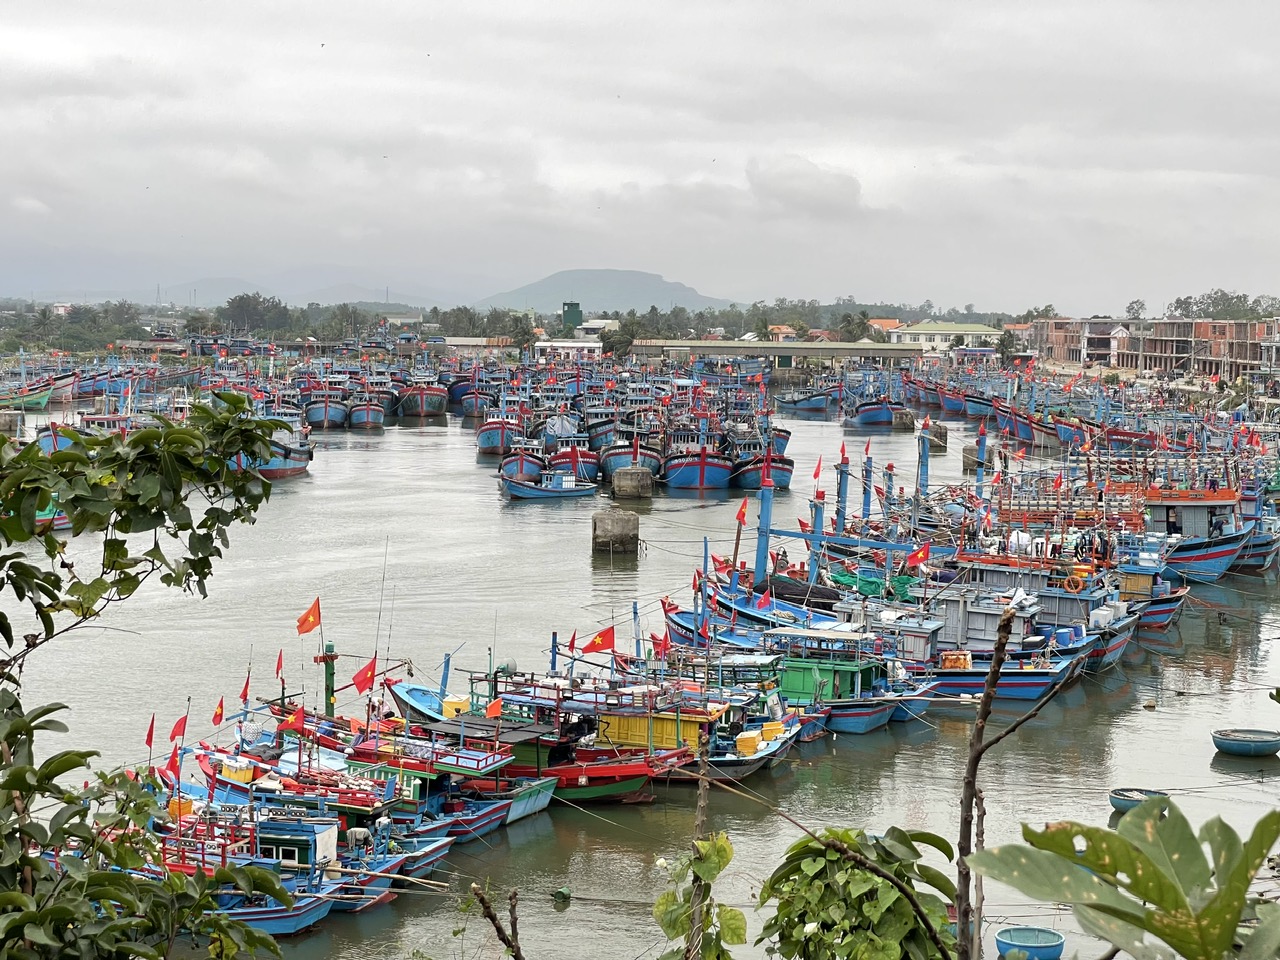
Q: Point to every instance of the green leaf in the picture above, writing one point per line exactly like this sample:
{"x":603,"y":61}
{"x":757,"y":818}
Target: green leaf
{"x":732,"y":923}
{"x":1046,"y":877}
{"x":1263,"y":941}
{"x":672,"y":914}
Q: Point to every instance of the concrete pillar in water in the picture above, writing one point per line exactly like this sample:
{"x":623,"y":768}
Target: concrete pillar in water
{"x":632,"y":483}
{"x":615,"y":531}
{"x":969,"y":457}
{"x":904,"y":420}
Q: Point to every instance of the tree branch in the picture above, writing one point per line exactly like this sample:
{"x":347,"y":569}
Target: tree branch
{"x":486,"y":908}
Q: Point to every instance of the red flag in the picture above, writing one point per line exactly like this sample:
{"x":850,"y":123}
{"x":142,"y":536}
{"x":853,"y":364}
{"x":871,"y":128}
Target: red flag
{"x":601,"y":641}
{"x":151,"y":732}
{"x":494,"y":709}
{"x":244,"y":691}
{"x":661,"y":647}
{"x":280,"y":664}
{"x":1057,"y":481}
{"x":817,"y":471}
{"x":363,"y":679}
{"x":173,"y":766}
{"x":179,"y":729}
{"x":311,"y":619}
{"x":926,"y":423}
{"x":765,"y":600}
{"x":1019,"y":454}
{"x":843,"y":456}
{"x":573,"y":642}
{"x":704,"y":631}
{"x":996,"y":478}
{"x":742,"y":513}
{"x":918,"y":556}
{"x":866,"y":451}
{"x":296,"y":721}
{"x":217,"y":714}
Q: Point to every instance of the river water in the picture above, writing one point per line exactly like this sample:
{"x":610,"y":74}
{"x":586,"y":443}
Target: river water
{"x":404,"y":535}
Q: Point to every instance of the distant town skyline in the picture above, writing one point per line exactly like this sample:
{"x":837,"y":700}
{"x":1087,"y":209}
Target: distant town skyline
{"x":995,"y":153}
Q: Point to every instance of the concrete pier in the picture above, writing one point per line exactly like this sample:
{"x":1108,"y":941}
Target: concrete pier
{"x":632,"y":483}
{"x":937,"y":434}
{"x":969,"y":457}
{"x":904,"y":420}
{"x":615,"y":531}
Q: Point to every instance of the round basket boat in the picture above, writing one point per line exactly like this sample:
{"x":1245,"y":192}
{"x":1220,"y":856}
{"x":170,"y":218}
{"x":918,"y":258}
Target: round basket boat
{"x":1125,"y":799}
{"x":1247,"y":743}
{"x":1038,"y":943}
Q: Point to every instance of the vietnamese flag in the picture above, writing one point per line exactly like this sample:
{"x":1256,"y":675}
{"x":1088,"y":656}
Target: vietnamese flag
{"x":296,"y":721}
{"x":217,"y":714}
{"x":311,"y":619}
{"x":817,"y":471}
{"x":573,"y":642}
{"x":765,"y":600}
{"x":173,"y":766}
{"x":280,"y":664}
{"x":151,"y":732}
{"x":601,"y":641}
{"x":918,"y":556}
{"x":742,"y":513}
{"x":1057,"y":481}
{"x":363,"y":680}
{"x":494,"y":709}
{"x":661,"y":647}
{"x":1020,"y":454}
{"x":179,"y":729}
{"x":244,"y":691}
{"x":866,"y":451}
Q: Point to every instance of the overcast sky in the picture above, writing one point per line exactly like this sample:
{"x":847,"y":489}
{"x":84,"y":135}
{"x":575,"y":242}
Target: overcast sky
{"x":1000,"y":153}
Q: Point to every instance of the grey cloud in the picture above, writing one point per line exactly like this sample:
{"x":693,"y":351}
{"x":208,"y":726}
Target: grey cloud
{"x":995,"y":151}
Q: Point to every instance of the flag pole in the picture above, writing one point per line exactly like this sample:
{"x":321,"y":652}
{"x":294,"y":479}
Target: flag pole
{"x":177,"y":774}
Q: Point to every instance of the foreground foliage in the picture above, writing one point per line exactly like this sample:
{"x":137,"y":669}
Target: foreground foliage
{"x":76,"y":874}
{"x":1148,"y":887}
{"x":829,"y":907}
{"x":723,"y":925}
{"x":174,"y":482}
{"x":68,"y":886}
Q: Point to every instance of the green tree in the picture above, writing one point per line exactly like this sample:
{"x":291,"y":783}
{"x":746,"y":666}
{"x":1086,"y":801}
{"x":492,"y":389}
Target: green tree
{"x":1006,"y":345}
{"x":83,"y":900}
{"x":45,"y":323}
{"x":957,"y":340}
{"x":1135,"y":310}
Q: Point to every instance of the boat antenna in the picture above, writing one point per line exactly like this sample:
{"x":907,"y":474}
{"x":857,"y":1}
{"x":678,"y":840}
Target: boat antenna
{"x":391,"y":613}
{"x":377,"y":630}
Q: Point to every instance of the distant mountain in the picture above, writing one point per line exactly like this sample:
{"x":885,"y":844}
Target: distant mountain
{"x":600,"y":290}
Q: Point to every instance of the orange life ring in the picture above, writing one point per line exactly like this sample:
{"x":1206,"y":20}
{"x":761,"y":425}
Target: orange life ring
{"x":1073,"y":584}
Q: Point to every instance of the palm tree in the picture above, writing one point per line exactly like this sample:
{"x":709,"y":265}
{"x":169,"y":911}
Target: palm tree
{"x":44,"y":322}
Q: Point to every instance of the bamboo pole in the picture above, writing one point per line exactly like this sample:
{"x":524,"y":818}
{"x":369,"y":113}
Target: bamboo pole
{"x":395,"y":876}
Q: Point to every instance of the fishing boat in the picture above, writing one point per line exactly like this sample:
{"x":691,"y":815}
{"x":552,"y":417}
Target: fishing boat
{"x":573,"y":455}
{"x":499,"y":433}
{"x":697,"y":469}
{"x":875,"y":413}
{"x":326,"y":410}
{"x":808,"y":402}
{"x":422,"y":400}
{"x":1247,"y":743}
{"x":1124,"y":799}
{"x":365,"y":412}
{"x":550,"y":486}
{"x":525,"y":461}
